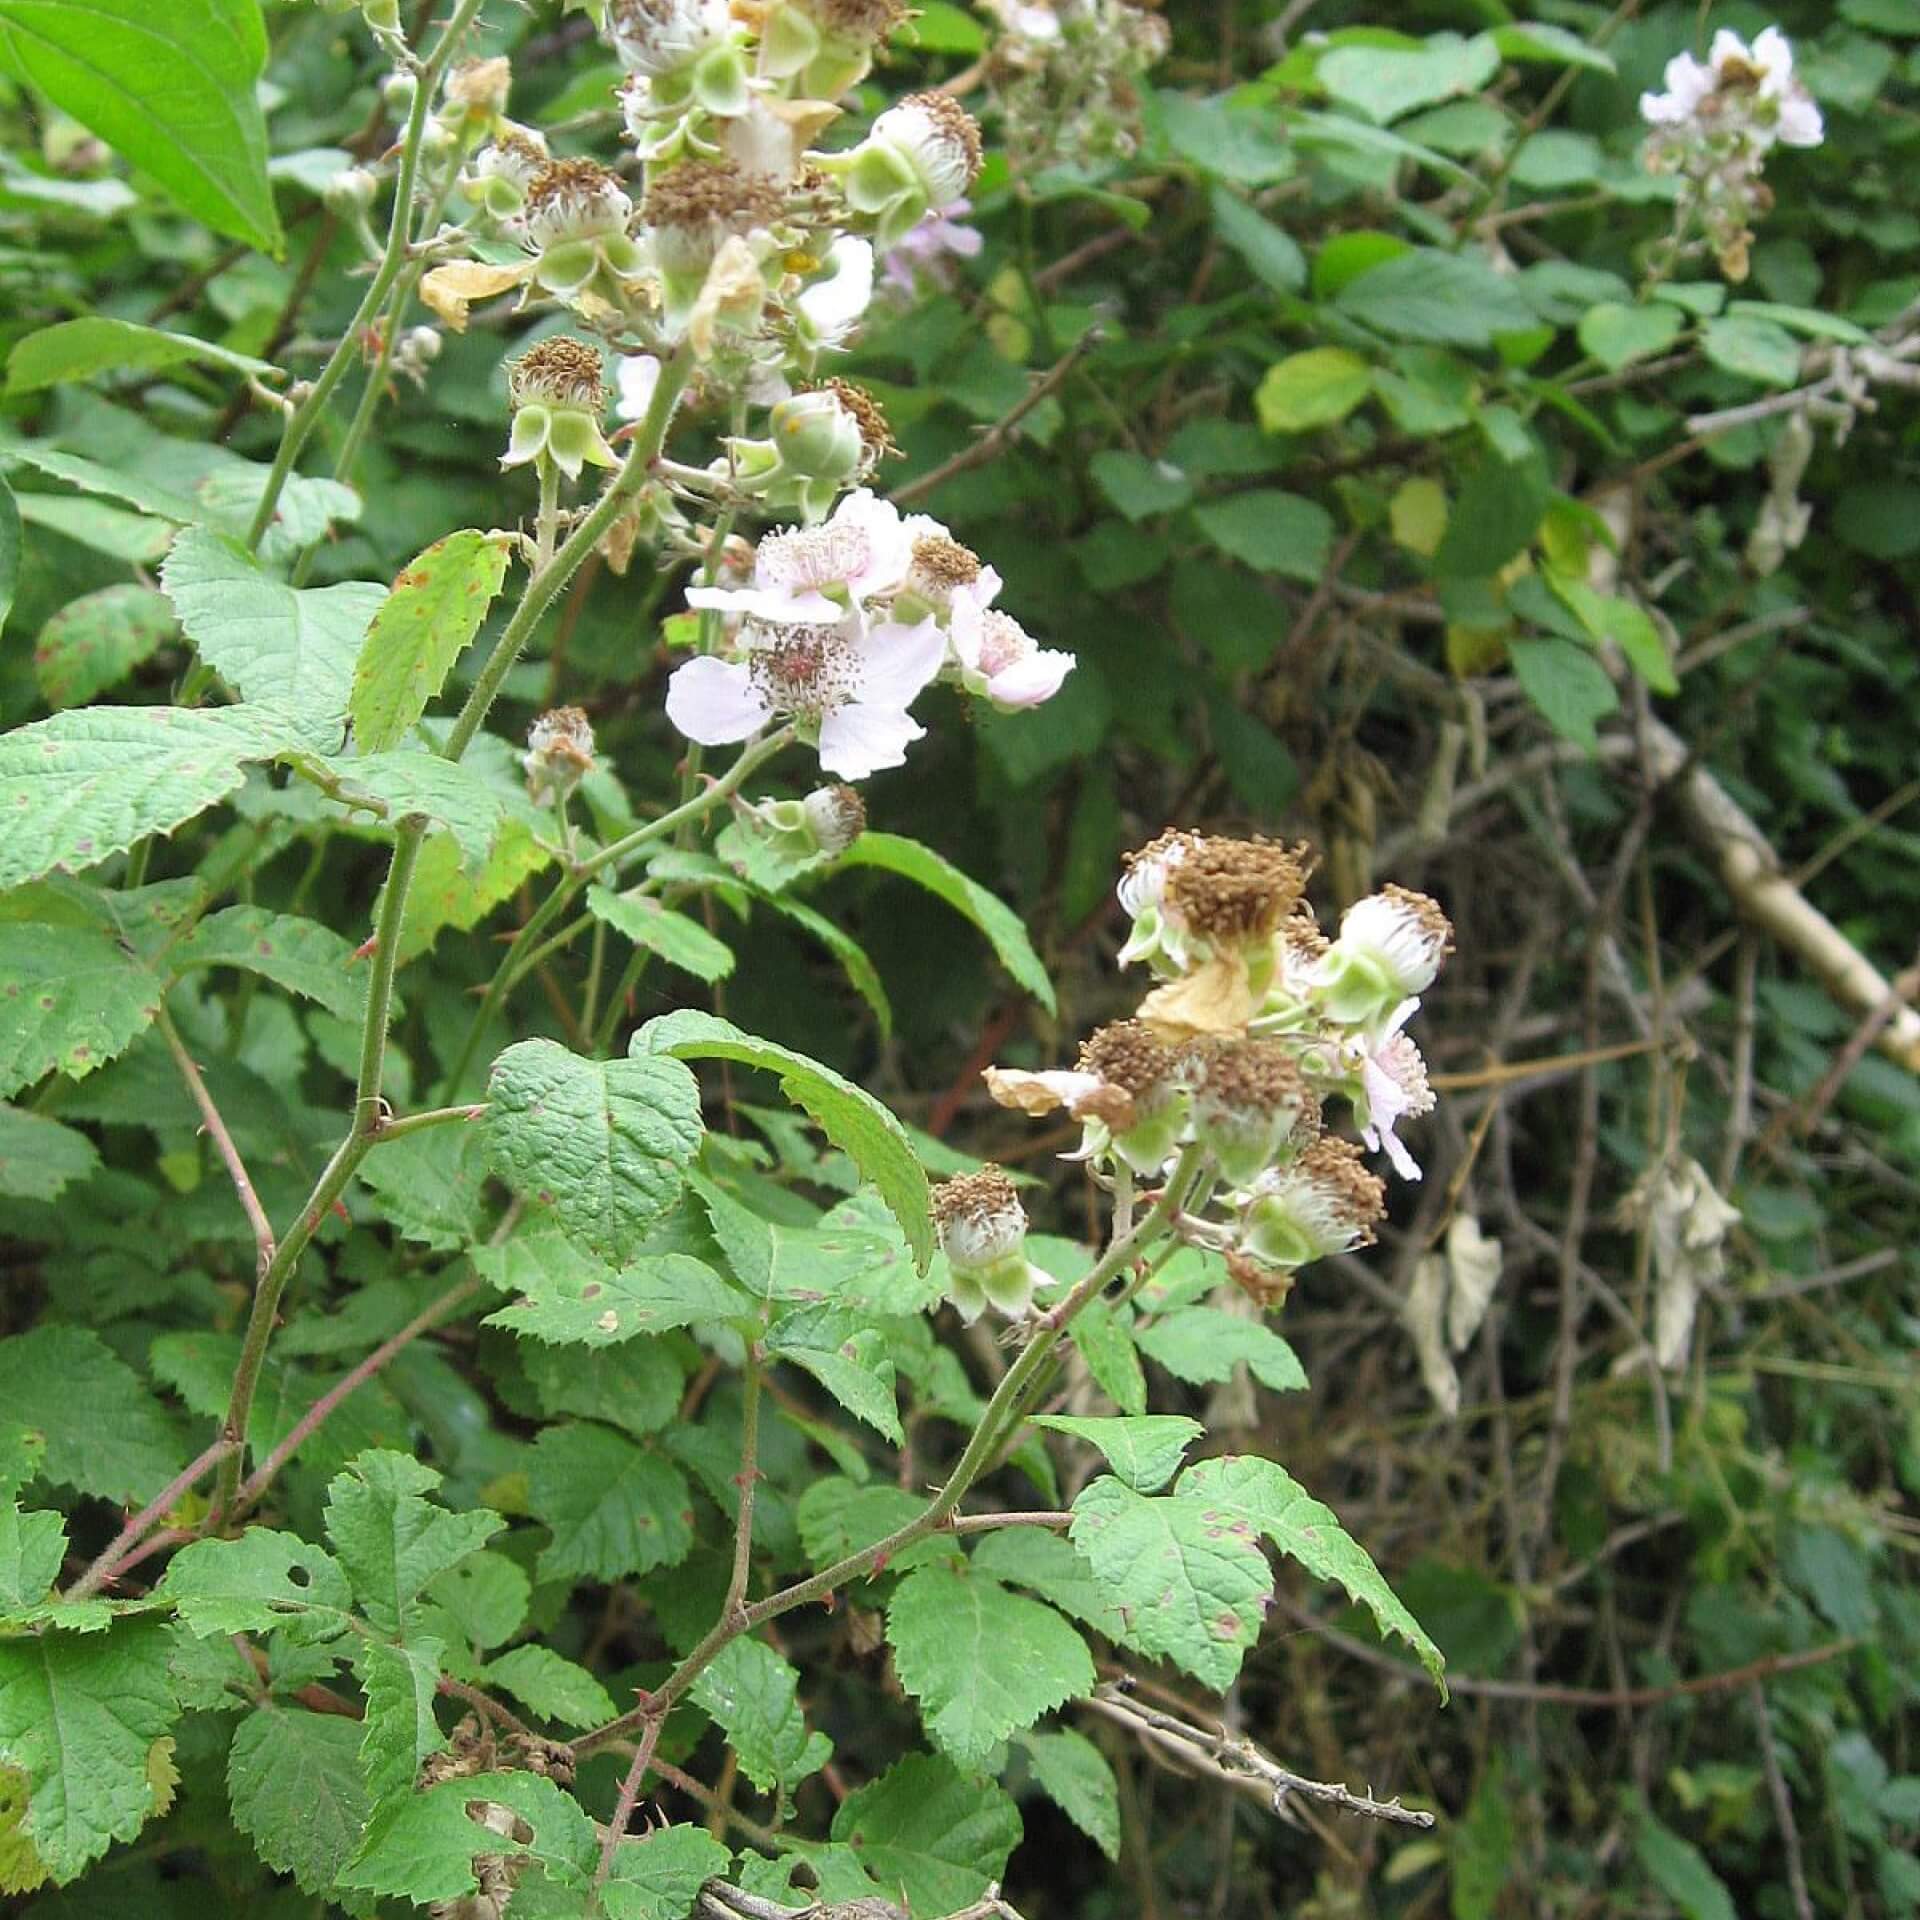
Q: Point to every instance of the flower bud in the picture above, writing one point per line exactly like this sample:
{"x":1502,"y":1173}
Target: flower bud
{"x":350,"y":192}
{"x":983,"y":1233}
{"x":477,"y":90}
{"x":421,"y":344}
{"x":821,"y":440}
{"x":397,"y":91}
{"x":558,"y":398}
{"x":559,"y":755}
{"x":836,"y":817}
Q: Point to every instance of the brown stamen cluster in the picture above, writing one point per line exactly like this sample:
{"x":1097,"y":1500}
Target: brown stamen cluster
{"x":1425,"y":911}
{"x":940,"y":564}
{"x":876,"y":431}
{"x":1338,"y":1170}
{"x":566,"y":184}
{"x":862,"y":19}
{"x":954,"y":123}
{"x":712,"y":194}
{"x":1135,"y":1065}
{"x":558,"y":372}
{"x":974,"y":1199}
{"x":1254,"y":1076}
{"x":1301,"y":931}
{"x":841,"y":816}
{"x":564,"y":734}
{"x":1229,"y":891}
{"x":481,"y":85}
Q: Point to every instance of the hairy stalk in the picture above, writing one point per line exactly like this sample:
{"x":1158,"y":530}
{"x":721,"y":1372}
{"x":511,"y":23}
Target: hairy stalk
{"x":748,"y":1476}
{"x":306,"y":416}
{"x":110,"y":1560}
{"x":937,"y":1512}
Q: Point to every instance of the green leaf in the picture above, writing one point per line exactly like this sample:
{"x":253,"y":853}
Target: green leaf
{"x":258,"y":1582}
{"x":399,"y":1731}
{"x":1495,"y":517}
{"x":1386,"y":83}
{"x":71,"y":1000}
{"x":1528,"y":41}
{"x":391,"y":1540}
{"x":77,"y":348}
{"x":79,"y":1715}
{"x":106,"y":1434}
{"x":39,"y":1157}
{"x":614,"y":1508}
{"x":1311,"y":389}
{"x":1481,"y":1855}
{"x":1272,"y":252}
{"x":1202,"y":1345}
{"x":32,"y":1546}
{"x":604,"y":1143}
{"x":850,"y":1117}
{"x":1104,"y":1335}
{"x":1074,"y":1775}
{"x":1630,"y":628}
{"x":301,"y":955}
{"x":1190,"y":1590}
{"x":552,"y":1687}
{"x":923,"y":1828}
{"x":486,"y":1595}
{"x":1272,"y":531}
{"x":1144,"y":1449}
{"x":450,"y":793}
{"x":1680,"y":1870}
{"x":967,"y":897}
{"x":1450,"y":299}
{"x":1567,"y":684}
{"x":420,"y":630}
{"x":677,"y":940}
{"x":838,"y":1518}
{"x":431,"y":1186}
{"x":852,"y":957}
{"x":1140,"y":487}
{"x":1240,"y":1492}
{"x":94,"y":642}
{"x":751,"y":1694}
{"x":568,"y":1297}
{"x":289,"y":648}
{"x":858,"y":1373}
{"x":171,"y":88}
{"x":1751,"y":349}
{"x":294,"y":1788}
{"x":89,"y":783}
{"x":421,"y":1846}
{"x":659,"y":1876}
{"x":1617,"y":336}
{"x":1226,"y":142}
{"x":9,"y":550}
{"x":1052,"y":1568}
{"x":981,"y":1660}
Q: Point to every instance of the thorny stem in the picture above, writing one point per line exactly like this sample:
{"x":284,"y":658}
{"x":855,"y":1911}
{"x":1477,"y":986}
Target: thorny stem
{"x":223,"y":1140}
{"x":653,"y":1720}
{"x":938,"y":1511}
{"x":104,"y":1568}
{"x":432,"y":1117}
{"x":749,"y":1476}
{"x":306,"y":416}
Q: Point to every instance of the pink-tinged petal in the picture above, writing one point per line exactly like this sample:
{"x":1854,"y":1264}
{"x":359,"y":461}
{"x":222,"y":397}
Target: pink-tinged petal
{"x":793,"y":607}
{"x":857,"y":740}
{"x":1030,"y":681}
{"x":715,"y":702}
{"x":1800,"y":122}
{"x":897,"y":661}
{"x":965,"y":241}
{"x":1402,"y":1162}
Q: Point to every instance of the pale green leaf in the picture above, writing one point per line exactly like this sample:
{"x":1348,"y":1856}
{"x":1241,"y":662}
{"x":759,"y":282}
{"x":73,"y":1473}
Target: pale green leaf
{"x":1272,"y":252}
{"x":1311,"y":389}
{"x":1074,"y":1775}
{"x":1202,"y":1345}
{"x":1140,"y":488}
{"x":965,"y":896}
{"x":1617,"y":335}
{"x":294,"y":1788}
{"x":71,"y":999}
{"x":926,"y":1830}
{"x":1242,"y":1491}
{"x":1271,"y":531}
{"x":1104,"y":1334}
{"x":982,"y":1661}
{"x":552,"y":1687}
{"x":172,"y":88}
{"x":1529,"y":41}
{"x":431,"y":1186}
{"x":751,"y":1694}
{"x":850,"y":1117}
{"x":94,"y":642}
{"x":838,"y":1518}
{"x":1753,"y":349}
{"x":673,"y":937}
{"x":1227,"y":142}
{"x":1629,"y":627}
{"x":90,"y":782}
{"x":391,"y":1540}
{"x":75,"y":349}
{"x":1191,"y":1590}
{"x":106,"y":1434}
{"x":1144,"y":1449}
{"x":288,"y":648}
{"x":1566,"y":684}
{"x":259,"y":1581}
{"x":1450,"y":299}
{"x":658,"y":1876}
{"x":301,"y":955}
{"x":434,"y":610}
{"x":614,"y":1508}
{"x":486,"y":1596}
{"x":1386,"y":83}
{"x":32,"y":1546}
{"x":79,"y":1715}
{"x":1048,"y":1564}
{"x":421,"y":1846}
{"x":604,"y":1143}
{"x":858,"y":1373}
{"x":403,"y":783}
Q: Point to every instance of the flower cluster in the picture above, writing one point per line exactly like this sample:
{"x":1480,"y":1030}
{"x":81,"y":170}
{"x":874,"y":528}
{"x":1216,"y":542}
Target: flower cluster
{"x":1715,"y":125}
{"x":1066,"y":77}
{"x":841,"y":626}
{"x":1258,"y":1021}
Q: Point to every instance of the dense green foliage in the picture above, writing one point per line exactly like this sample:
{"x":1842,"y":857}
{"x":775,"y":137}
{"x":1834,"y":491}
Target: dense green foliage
{"x":1408,"y":470}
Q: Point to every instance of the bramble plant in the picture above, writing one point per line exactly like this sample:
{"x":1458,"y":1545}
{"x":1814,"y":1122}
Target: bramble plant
{"x":608,"y":1462}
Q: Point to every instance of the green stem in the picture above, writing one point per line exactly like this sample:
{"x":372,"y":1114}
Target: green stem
{"x":1050,"y":1326}
{"x":306,"y":416}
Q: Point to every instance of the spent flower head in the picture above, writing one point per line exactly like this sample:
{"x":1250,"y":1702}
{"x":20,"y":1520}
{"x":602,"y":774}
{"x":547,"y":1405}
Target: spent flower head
{"x":558,"y":399}
{"x":922,"y":156}
{"x":559,"y":754}
{"x":983,"y":1232}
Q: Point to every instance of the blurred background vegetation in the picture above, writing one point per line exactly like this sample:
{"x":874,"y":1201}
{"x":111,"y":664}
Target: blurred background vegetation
{"x":1341,"y":600}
